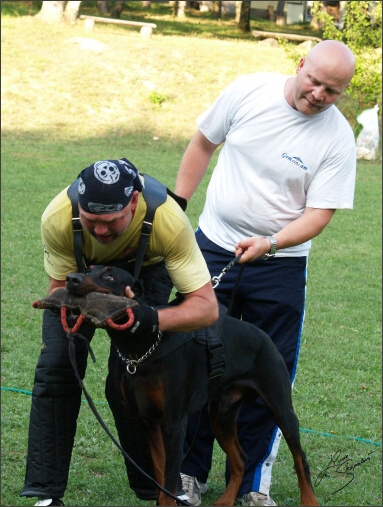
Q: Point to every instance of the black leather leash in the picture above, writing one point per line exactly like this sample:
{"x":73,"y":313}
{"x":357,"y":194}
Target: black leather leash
{"x":216,"y":280}
{"x":72,"y":357}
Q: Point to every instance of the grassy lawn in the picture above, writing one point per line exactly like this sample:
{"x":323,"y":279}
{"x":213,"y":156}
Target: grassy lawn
{"x":70,"y":98}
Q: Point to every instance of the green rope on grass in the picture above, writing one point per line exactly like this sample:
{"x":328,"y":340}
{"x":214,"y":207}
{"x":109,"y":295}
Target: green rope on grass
{"x":24,"y":391}
{"x":303,"y":430}
{"x":15,"y":390}
{"x":358,"y":439}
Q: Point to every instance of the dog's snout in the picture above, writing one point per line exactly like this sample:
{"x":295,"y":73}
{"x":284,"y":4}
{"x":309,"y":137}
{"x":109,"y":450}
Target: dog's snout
{"x":74,"y":279}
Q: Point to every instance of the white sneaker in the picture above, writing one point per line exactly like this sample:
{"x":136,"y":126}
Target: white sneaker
{"x":193,"y":489}
{"x":48,"y":501}
{"x":255,"y":498}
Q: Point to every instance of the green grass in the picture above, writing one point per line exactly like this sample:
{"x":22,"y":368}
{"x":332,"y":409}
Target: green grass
{"x":65,"y":106}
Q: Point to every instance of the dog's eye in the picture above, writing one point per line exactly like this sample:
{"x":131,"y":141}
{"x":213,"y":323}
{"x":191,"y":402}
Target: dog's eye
{"x":108,"y":277}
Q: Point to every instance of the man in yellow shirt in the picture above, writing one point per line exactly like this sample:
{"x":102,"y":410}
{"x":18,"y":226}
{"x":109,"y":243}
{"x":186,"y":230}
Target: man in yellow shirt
{"x":112,"y":209}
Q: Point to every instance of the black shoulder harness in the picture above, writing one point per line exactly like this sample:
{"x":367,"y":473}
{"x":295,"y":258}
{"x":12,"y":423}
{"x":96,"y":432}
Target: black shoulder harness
{"x":77,"y":227}
{"x":154,"y":193}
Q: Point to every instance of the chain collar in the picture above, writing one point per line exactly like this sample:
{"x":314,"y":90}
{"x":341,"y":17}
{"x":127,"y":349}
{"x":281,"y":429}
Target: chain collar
{"x":131,"y":364}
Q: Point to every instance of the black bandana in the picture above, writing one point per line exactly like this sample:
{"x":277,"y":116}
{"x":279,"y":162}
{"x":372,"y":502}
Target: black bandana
{"x":107,"y":186}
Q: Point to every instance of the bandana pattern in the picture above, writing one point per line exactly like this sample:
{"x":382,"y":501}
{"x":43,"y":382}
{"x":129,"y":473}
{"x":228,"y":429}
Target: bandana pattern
{"x":107,"y":186}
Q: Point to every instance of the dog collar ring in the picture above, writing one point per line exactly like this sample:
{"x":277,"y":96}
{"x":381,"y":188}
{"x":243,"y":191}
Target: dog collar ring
{"x":131,"y":367}
{"x":131,"y":364}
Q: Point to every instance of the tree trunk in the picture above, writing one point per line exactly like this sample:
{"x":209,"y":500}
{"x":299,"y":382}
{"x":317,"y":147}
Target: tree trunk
{"x":281,"y":18}
{"x":342,"y":10}
{"x":103,"y":6}
{"x":117,"y":9}
{"x":244,"y":18}
{"x":371,"y":12}
{"x":181,"y":9}
{"x":314,"y":23}
{"x":238,"y":6}
{"x":219,"y":9}
{"x":51,"y":11}
{"x":71,"y":11}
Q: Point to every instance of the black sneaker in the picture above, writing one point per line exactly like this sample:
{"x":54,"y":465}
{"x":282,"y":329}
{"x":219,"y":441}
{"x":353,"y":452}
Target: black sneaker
{"x":49,"y":501}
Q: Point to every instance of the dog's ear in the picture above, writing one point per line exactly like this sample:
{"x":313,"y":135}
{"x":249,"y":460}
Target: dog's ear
{"x":138,"y":288}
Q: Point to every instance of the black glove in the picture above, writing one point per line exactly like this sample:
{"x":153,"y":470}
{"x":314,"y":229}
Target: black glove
{"x":145,"y":322}
{"x":137,"y":339}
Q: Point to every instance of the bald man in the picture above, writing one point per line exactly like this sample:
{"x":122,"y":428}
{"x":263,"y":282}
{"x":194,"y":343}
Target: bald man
{"x":287,"y":163}
{"x":321,"y":78}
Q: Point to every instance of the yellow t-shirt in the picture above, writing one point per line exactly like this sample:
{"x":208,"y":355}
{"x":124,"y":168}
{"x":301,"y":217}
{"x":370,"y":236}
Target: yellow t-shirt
{"x":172,"y":239}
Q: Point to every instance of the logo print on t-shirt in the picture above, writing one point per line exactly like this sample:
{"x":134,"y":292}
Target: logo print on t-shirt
{"x":295,"y":160}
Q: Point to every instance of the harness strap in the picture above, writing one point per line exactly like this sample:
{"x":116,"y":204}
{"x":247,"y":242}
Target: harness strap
{"x":217,"y":360}
{"x":155,"y":194}
{"x":77,"y":227}
{"x":210,"y":337}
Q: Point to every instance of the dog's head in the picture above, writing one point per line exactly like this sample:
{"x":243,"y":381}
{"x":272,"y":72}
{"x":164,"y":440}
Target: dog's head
{"x":107,"y":279}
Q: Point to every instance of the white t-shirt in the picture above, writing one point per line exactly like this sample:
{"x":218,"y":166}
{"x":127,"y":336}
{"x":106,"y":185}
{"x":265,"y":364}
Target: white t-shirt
{"x":274,"y":162}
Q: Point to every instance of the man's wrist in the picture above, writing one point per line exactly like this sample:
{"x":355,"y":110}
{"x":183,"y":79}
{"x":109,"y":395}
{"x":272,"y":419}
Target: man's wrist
{"x":273,"y":248}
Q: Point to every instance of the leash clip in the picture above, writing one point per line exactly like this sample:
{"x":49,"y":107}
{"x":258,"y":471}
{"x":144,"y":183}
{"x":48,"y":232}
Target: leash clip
{"x":216,"y":279}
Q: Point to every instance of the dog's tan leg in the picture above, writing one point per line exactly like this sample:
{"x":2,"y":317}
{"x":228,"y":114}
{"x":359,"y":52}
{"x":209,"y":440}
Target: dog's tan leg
{"x":152,"y":405}
{"x":225,"y":430}
{"x":157,"y":451}
{"x":307,"y":493}
{"x":231,"y":448}
{"x":288,"y":423}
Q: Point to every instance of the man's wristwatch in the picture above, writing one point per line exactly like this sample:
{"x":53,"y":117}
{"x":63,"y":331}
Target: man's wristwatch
{"x":273,"y":248}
